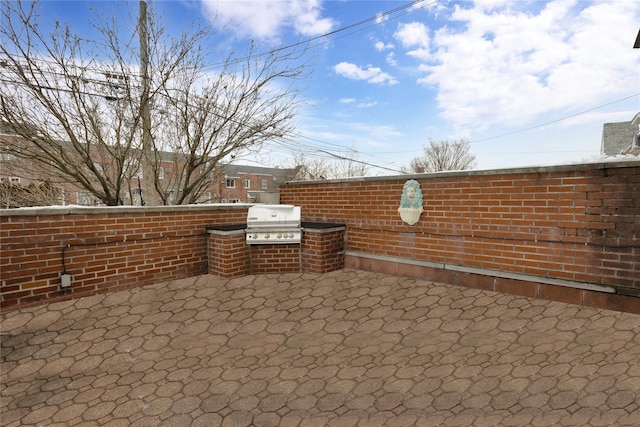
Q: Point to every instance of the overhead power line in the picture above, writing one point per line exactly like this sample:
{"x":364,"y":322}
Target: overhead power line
{"x":547,"y":123}
{"x":376,"y":17}
{"x":556,"y":120}
{"x":387,"y":14}
{"x":325,"y":153}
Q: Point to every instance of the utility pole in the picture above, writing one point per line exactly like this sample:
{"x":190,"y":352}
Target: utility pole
{"x":147,"y":171}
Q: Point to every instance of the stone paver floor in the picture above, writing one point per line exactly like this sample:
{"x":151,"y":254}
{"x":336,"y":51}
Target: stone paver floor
{"x":346,"y":348}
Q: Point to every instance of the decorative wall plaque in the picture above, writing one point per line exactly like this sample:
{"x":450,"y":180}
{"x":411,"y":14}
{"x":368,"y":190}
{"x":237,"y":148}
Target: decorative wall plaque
{"x":411,"y":202}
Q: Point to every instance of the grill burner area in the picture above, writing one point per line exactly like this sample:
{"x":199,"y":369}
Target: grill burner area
{"x":273,"y":224}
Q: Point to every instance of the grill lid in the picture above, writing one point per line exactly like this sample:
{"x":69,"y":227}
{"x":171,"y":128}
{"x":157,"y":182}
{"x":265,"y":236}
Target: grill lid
{"x":273,"y":216}
{"x":275,"y":224}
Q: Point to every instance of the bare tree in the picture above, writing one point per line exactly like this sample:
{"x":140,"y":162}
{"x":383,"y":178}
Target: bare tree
{"x":89,"y":115}
{"x":309,"y":168}
{"x":443,"y":156}
{"x":316,"y":167}
{"x":18,"y":196}
{"x":349,"y":165}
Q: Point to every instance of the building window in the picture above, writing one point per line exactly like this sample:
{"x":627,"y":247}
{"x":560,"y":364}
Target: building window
{"x":205,"y":197}
{"x":138,"y":197}
{"x":246,"y":183}
{"x":5,"y":154}
{"x":15,"y":180}
{"x":231,"y":183}
{"x":160,"y":172}
{"x":264,"y":184}
{"x":84,"y":198}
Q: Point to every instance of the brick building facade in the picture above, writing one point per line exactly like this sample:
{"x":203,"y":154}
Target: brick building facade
{"x":231,"y":183}
{"x":250,"y":184}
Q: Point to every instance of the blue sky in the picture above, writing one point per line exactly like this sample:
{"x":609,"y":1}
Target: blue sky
{"x":526,"y":82}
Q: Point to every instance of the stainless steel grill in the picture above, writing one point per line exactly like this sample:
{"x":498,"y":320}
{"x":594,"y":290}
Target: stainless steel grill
{"x":273,"y":224}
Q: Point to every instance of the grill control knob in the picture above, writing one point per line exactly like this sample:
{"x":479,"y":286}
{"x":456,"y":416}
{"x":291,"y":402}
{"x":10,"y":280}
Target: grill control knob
{"x":254,"y":236}
{"x":279,"y":236}
{"x":266,"y":236}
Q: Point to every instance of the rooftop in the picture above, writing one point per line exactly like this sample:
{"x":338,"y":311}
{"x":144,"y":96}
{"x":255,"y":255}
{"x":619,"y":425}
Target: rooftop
{"x":345,"y":348}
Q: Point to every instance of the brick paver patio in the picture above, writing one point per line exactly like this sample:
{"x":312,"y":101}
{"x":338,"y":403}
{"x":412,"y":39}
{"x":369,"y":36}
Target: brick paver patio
{"x":341,"y":349}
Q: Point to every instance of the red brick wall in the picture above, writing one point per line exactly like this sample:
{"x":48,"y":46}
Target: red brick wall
{"x":323,"y":249}
{"x":579,"y":223}
{"x":228,"y":253}
{"x":105,"y":249}
{"x":267,"y":259}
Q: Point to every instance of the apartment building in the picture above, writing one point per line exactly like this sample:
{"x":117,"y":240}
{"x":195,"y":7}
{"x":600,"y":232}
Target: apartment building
{"x":621,"y":137}
{"x":21,"y":183}
{"x":250,"y":184}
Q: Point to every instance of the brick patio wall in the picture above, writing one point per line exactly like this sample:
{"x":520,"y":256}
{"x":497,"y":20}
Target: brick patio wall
{"x":320,"y":251}
{"x":228,"y":253}
{"x":323,"y":249}
{"x":569,"y":233}
{"x":102,"y":249}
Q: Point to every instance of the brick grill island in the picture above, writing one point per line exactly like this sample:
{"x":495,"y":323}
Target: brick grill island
{"x":320,"y":251}
{"x":291,"y":245}
{"x":274,"y":225}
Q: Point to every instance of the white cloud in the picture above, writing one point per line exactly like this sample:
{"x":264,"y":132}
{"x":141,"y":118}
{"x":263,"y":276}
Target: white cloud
{"x":370,"y":74}
{"x":266,"y":19}
{"x":380,"y":46}
{"x":380,"y":132}
{"x":380,"y":18}
{"x":367,"y":104}
{"x":353,"y":101}
{"x":391,"y":60}
{"x":505,"y":65}
{"x":414,"y":35}
{"x":434,"y":7}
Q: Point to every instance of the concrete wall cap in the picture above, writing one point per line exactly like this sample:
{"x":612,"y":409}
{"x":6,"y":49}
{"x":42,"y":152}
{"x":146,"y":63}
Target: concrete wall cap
{"x":89,"y":210}
{"x":612,"y":164}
